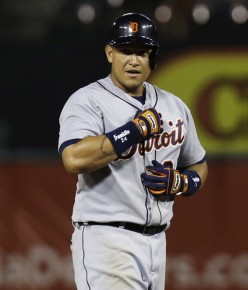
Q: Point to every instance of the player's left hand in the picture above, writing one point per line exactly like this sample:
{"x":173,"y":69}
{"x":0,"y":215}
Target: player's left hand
{"x":164,"y":181}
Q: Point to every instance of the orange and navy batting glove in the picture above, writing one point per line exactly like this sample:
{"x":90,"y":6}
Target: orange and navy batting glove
{"x":149,"y":123}
{"x":164,"y":181}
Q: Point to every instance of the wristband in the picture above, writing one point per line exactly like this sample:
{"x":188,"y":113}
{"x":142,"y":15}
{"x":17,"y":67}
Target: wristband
{"x":194,"y":182}
{"x":124,"y":137}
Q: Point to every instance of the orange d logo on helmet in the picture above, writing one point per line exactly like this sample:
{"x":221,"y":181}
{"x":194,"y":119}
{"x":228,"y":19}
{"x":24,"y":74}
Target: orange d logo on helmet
{"x":134,"y":27}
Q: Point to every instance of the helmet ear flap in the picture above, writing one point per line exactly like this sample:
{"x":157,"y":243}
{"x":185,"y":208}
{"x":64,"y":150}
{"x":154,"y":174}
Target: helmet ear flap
{"x":153,"y":58}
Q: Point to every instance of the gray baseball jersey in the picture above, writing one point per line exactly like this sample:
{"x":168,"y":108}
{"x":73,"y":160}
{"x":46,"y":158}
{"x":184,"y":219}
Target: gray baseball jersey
{"x":116,"y":193}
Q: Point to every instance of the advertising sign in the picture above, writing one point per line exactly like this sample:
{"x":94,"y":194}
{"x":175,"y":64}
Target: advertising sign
{"x":214,"y":85}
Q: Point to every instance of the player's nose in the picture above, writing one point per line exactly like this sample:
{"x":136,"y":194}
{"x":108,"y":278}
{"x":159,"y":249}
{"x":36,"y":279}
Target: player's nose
{"x":134,"y":59}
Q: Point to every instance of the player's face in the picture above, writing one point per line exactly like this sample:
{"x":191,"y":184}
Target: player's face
{"x":130,"y":67}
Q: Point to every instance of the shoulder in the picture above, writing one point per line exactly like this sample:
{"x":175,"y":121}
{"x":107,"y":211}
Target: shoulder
{"x":167,"y":96}
{"x":87,"y":93}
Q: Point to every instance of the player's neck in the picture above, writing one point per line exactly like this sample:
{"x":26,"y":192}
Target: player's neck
{"x":141,"y":98}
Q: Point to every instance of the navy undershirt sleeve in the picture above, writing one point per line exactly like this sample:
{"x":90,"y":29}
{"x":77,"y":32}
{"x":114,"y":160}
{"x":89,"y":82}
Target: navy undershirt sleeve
{"x":67,"y":143}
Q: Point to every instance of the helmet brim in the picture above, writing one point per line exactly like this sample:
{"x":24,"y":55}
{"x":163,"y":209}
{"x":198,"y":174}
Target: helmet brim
{"x":133,"y":40}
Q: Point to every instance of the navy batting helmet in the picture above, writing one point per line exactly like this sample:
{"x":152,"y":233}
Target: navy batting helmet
{"x":135,"y":28}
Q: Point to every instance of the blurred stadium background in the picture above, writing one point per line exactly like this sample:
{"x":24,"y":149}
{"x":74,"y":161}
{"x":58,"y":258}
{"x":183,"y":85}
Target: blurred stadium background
{"x":49,"y":49}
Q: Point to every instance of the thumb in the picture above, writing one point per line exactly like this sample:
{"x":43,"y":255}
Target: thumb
{"x":155,"y":163}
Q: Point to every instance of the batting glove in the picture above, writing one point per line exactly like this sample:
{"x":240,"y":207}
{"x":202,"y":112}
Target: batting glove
{"x":163,"y":181}
{"x":149,"y":123}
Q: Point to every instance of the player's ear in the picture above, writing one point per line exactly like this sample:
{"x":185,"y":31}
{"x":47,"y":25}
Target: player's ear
{"x":109,"y":53}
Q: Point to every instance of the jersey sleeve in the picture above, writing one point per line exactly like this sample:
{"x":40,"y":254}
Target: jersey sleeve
{"x":192,"y":151}
{"x":80,"y":117}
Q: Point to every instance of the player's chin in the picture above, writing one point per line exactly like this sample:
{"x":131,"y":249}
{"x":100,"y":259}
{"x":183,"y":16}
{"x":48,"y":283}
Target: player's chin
{"x":133,"y":86}
{"x":135,"y":81}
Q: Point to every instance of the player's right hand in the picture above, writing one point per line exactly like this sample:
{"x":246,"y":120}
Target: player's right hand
{"x":149,"y":123}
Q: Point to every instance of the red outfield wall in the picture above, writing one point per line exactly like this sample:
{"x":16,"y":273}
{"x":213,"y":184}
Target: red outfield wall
{"x":207,"y":241}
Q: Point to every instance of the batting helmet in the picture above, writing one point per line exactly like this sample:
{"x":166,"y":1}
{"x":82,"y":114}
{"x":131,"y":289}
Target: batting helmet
{"x":135,"y":28}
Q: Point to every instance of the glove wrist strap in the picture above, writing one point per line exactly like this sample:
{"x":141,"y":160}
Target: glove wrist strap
{"x":185,"y":184}
{"x":141,"y":124}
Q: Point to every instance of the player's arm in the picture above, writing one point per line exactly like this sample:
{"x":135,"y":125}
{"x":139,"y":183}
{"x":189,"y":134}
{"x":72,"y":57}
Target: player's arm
{"x":89,"y":154}
{"x":202,"y":170}
{"x":93,"y":153}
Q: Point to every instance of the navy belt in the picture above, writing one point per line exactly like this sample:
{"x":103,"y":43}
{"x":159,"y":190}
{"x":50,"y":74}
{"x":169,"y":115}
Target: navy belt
{"x":144,"y":230}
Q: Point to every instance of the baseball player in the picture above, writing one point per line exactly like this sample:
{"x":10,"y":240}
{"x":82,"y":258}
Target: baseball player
{"x":135,"y":150}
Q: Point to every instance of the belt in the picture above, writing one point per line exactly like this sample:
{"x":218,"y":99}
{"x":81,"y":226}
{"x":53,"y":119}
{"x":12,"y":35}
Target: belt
{"x":145,"y":230}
